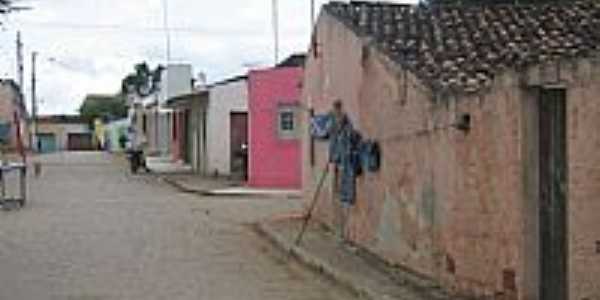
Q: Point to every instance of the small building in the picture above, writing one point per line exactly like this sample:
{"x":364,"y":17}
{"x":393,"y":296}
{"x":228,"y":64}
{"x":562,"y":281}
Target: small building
{"x":227,"y":127}
{"x":486,"y":119}
{"x":189,"y":129}
{"x":176,"y":81}
{"x":114,"y":134}
{"x":14,"y":122}
{"x":274,"y":107}
{"x":63,"y":133}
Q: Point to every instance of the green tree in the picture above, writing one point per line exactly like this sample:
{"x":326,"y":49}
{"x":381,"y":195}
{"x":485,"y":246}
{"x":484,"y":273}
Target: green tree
{"x":142,"y":81}
{"x":7,"y":6}
{"x":103,"y":106}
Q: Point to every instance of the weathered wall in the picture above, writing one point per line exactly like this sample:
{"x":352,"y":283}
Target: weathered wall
{"x":583,"y":121}
{"x":446,"y":203}
{"x":224,"y":99}
{"x":460,"y":207}
{"x":8,"y":101}
{"x":273,"y":161}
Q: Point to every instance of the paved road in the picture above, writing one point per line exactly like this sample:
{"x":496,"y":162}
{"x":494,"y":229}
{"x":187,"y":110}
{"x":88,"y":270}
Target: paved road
{"x":92,"y":232}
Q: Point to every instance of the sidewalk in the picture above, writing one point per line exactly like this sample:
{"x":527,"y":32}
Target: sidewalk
{"x":363,"y":273}
{"x":220,"y":186}
{"x":165,"y":165}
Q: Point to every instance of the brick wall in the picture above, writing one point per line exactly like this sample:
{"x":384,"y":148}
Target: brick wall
{"x":455,"y":206}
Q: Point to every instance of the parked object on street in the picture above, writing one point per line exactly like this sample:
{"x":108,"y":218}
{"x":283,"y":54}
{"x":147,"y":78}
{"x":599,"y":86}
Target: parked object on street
{"x":137,"y":144}
{"x":136,"y":160}
{"x":11,"y":202}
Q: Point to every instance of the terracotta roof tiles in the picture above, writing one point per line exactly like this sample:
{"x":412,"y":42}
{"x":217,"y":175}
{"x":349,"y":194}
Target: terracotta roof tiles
{"x":463,"y":48}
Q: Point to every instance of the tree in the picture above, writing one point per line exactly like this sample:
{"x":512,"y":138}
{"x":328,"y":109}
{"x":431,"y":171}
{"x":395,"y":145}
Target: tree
{"x":105,"y":107}
{"x":7,"y":6}
{"x":142,"y":81}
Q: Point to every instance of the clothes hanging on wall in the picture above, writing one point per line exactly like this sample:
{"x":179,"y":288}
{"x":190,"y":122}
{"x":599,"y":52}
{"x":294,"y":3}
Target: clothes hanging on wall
{"x":347,"y":150}
{"x":321,"y":126}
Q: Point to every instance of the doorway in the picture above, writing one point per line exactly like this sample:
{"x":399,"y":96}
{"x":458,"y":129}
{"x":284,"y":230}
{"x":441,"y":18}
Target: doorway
{"x":553,"y":232}
{"x":239,"y":145}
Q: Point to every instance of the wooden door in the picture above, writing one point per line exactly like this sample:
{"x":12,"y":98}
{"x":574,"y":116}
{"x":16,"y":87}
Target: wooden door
{"x":553,"y":194}
{"x":239,"y":144}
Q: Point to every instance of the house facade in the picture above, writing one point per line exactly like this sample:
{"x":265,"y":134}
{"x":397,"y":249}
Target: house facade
{"x":154,"y":119}
{"x":227,"y":127}
{"x":485,"y":118}
{"x":114,"y":134}
{"x":274,"y":129}
{"x":189,"y":137}
{"x":63,"y":133}
{"x":13,"y":110}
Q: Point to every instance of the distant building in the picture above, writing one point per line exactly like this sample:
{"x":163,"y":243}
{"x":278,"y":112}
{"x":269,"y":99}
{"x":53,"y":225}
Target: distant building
{"x":64,"y":133}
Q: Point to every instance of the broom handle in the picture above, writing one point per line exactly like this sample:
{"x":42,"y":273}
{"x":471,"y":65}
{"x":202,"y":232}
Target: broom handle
{"x":313,"y":204}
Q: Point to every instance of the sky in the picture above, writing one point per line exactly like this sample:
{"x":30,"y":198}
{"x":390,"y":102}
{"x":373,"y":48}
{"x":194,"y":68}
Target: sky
{"x":88,"y":46}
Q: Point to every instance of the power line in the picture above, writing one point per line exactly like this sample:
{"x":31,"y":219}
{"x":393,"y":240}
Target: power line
{"x":118,"y":27}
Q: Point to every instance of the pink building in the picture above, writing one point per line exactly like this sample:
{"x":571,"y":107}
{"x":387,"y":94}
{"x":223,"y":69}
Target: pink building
{"x":274,"y":144}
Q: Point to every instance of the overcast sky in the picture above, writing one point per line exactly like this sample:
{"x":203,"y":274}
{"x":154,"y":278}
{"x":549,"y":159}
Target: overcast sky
{"x":87,"y":46}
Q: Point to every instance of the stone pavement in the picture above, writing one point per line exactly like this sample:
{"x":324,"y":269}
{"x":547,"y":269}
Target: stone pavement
{"x":362,"y":272}
{"x":92,"y":231}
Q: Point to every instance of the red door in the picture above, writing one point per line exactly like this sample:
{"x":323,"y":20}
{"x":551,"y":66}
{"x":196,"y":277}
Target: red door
{"x":239,"y":145}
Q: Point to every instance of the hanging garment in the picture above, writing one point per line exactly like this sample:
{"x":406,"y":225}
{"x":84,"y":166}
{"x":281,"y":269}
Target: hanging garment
{"x":321,"y":126}
{"x":344,"y":151}
{"x":370,"y":156}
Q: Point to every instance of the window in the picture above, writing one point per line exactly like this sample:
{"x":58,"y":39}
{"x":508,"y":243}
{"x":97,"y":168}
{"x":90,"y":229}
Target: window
{"x":287,"y":122}
{"x":286,"y":119}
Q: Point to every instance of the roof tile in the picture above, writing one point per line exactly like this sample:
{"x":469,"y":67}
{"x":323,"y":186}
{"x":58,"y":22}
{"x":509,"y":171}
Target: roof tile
{"x":463,"y":48}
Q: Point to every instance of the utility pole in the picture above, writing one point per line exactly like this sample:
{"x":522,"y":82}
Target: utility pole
{"x":34,"y":103}
{"x":276,"y":29}
{"x":20,"y":69}
{"x":312,"y":14}
{"x":167,"y":30}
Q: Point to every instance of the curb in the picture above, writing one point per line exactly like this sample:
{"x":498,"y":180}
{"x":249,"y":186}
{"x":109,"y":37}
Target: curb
{"x":318,"y":265}
{"x":184,"y":189}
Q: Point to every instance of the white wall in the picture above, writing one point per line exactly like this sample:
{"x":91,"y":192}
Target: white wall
{"x":176,"y":81}
{"x":224,"y":99}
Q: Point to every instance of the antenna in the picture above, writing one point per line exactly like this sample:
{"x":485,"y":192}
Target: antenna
{"x":167,"y":30}
{"x":20,"y":69}
{"x":276,"y":29}
{"x":312,"y":13}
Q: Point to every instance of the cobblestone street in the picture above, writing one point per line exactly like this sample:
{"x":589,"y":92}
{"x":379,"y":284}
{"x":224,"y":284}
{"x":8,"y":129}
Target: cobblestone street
{"x":91,"y":231}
